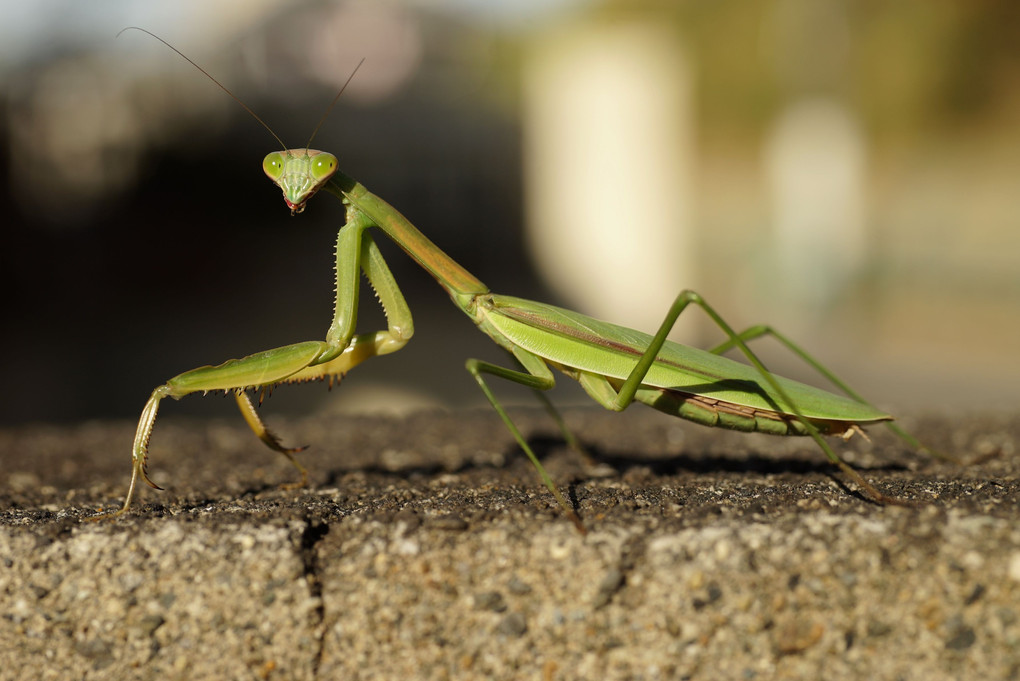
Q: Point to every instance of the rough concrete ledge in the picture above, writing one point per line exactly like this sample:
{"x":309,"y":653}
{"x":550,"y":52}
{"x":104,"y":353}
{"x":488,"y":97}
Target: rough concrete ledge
{"x":424,"y":547}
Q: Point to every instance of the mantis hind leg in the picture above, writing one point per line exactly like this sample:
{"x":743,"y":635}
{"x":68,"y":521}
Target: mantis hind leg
{"x":538,"y":377}
{"x":568,"y":435}
{"x":760,"y":330}
{"x":630,"y":386}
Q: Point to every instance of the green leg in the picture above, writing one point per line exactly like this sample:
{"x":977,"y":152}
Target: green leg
{"x":254,"y":371}
{"x":760,"y":330}
{"x":568,"y":435}
{"x":311,"y":360}
{"x":263,"y":370}
{"x":630,"y":387}
{"x":254,"y":422}
{"x":538,"y":377}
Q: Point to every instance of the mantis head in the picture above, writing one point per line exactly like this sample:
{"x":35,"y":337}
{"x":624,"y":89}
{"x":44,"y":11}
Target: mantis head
{"x":299,"y":173}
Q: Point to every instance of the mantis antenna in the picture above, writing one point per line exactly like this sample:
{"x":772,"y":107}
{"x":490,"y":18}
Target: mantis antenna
{"x":238,"y":99}
{"x":333,"y":103}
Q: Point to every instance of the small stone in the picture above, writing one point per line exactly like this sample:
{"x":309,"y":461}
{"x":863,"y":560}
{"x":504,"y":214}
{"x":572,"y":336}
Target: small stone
{"x":962,"y":639}
{"x":150,"y":623}
{"x":975,"y":594}
{"x":451,"y":523}
{"x":96,"y":650}
{"x":961,"y":636}
{"x":513,"y":624}
{"x":490,"y":600}
{"x":610,"y":584}
{"x":1014,"y":566}
{"x":518,"y":587}
{"x":796,"y":635}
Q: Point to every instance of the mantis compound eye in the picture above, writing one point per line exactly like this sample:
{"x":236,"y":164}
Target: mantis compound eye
{"x":273,"y":165}
{"x":323,"y":166}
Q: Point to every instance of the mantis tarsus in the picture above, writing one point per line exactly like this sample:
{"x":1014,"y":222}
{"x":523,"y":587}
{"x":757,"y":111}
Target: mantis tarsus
{"x":614,"y":365}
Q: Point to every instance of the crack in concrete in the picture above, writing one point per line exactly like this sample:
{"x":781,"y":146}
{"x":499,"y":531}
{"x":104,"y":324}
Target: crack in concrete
{"x":313,"y":533}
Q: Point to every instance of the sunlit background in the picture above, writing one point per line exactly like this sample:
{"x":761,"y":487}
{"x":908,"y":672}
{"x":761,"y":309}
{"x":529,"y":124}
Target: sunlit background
{"x":845,"y":171}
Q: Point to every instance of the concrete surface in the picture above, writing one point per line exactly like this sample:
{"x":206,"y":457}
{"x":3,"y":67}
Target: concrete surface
{"x":425,"y":547}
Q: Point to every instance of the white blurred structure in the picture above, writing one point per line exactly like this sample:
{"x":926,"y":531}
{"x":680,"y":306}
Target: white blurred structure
{"x":815,"y":160}
{"x":607,"y":147}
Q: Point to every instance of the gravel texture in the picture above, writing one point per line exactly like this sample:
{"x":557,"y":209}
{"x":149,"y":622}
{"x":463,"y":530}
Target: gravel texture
{"x":425,"y":547}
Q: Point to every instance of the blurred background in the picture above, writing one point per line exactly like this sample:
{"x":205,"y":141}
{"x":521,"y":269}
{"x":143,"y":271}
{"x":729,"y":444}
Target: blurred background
{"x":845,"y":171}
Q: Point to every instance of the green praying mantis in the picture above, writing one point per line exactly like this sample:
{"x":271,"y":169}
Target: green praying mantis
{"x":615,"y":366}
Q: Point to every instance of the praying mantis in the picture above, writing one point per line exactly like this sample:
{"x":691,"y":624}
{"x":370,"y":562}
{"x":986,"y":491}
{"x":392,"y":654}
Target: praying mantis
{"x":615,"y":365}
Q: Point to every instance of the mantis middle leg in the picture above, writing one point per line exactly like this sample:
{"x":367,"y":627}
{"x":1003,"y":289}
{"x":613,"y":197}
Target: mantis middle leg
{"x":538,"y":377}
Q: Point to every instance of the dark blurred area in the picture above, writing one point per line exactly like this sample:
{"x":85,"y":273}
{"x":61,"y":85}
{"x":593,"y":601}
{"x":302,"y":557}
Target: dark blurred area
{"x":141,"y":238}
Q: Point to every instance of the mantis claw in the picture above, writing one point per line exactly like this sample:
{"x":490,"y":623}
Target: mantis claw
{"x":145,"y":475}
